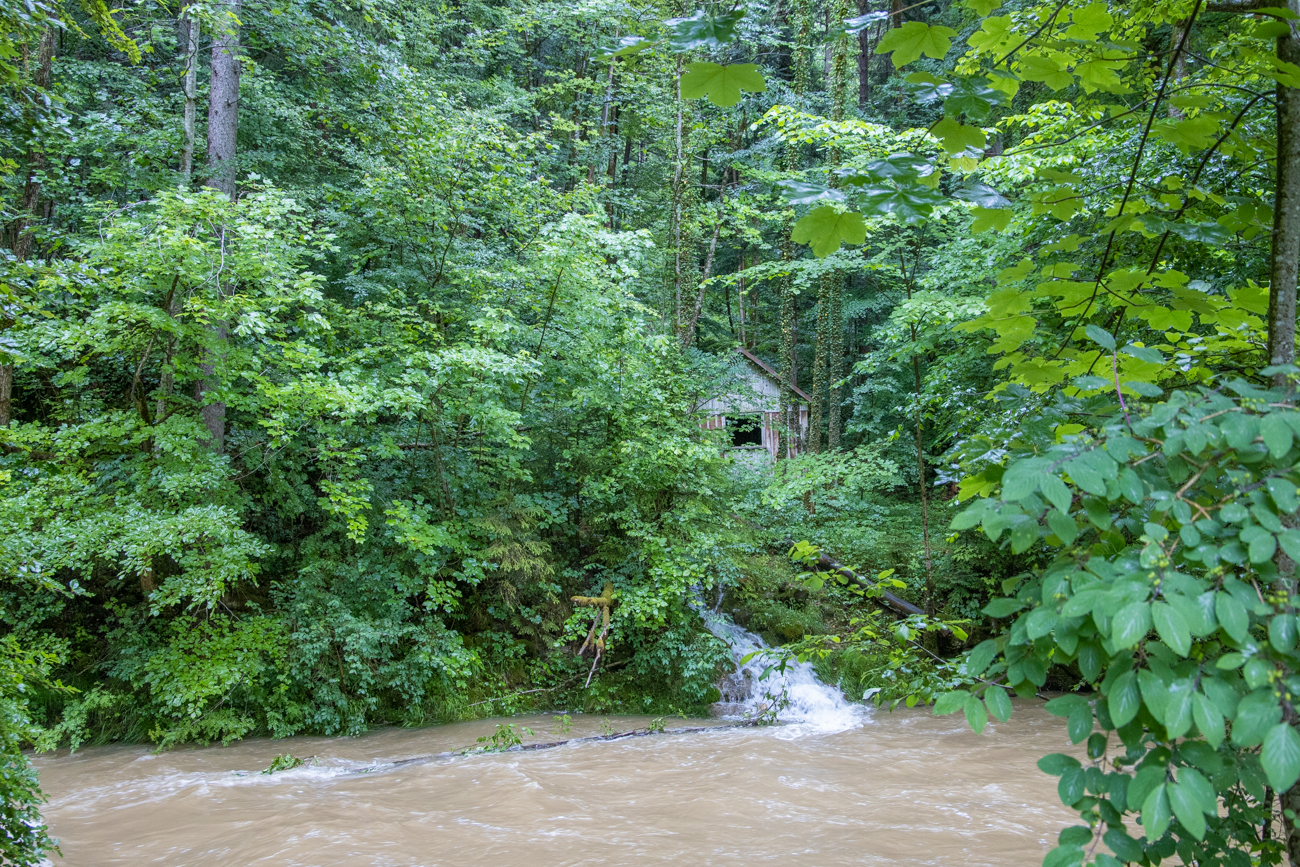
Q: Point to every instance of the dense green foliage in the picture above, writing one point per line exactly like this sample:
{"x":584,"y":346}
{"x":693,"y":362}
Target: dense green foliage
{"x":331,"y":430}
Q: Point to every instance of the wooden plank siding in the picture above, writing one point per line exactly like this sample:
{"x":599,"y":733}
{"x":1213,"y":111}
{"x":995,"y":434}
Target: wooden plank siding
{"x":763,"y":401}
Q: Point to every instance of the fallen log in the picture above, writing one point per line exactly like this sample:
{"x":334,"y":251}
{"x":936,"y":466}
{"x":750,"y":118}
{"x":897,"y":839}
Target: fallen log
{"x":549,"y":745}
{"x":890,"y":600}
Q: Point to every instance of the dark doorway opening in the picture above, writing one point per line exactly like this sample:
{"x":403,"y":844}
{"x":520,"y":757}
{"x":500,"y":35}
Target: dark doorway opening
{"x":746,"y":430}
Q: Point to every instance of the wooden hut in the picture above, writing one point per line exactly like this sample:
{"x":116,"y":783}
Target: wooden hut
{"x":752,"y":417}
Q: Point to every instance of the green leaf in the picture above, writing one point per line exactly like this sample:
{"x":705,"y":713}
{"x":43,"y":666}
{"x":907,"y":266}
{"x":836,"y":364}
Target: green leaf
{"x":624,"y":47}
{"x":1186,"y":806}
{"x":1277,"y":434}
{"x":1188,"y":134}
{"x":982,"y":195}
{"x":976,"y":716}
{"x":862,"y":22}
{"x":1036,"y":67}
{"x":1280,"y":756}
{"x":1232,"y":616}
{"x":1091,"y":660}
{"x":1290,"y":542}
{"x":908,"y":199}
{"x":825,"y":228}
{"x":1100,"y":335}
{"x":974,"y":98}
{"x":1282,"y":632}
{"x":914,"y":38}
{"x":806,"y":193}
{"x":722,"y":84}
{"x":1124,"y":699}
{"x":1156,"y":812}
{"x":1208,"y":720}
{"x":1003,"y":607}
{"x":1172,"y":628}
{"x":999,"y":704}
{"x":996,"y":219}
{"x":1057,"y":764}
{"x":979,"y":658}
{"x":958,"y":137}
{"x":950,"y":702}
{"x":1257,"y":714}
{"x":1079,"y":724}
{"x":702,"y":30}
{"x":1131,"y":624}
{"x":1071,"y":786}
{"x":1063,"y":526}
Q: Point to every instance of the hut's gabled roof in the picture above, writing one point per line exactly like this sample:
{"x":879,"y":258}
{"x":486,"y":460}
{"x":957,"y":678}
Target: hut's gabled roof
{"x":771,"y":374}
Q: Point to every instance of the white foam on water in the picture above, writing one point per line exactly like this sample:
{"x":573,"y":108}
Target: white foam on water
{"x":804,"y":702}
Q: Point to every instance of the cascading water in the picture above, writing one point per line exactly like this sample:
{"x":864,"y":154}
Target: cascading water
{"x":795,"y":693}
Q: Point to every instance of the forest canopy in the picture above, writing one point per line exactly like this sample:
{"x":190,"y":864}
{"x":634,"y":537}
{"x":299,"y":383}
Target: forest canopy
{"x":355,"y":360}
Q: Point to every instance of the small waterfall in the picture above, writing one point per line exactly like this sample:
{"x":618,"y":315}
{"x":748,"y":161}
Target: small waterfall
{"x":798,"y":696}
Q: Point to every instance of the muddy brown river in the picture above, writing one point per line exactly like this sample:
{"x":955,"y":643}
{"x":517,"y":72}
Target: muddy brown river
{"x":901,"y":788}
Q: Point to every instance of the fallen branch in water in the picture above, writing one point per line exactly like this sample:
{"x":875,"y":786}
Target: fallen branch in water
{"x":519,"y":748}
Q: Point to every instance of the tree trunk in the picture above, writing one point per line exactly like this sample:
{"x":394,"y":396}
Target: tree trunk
{"x":1286,"y":218}
{"x":679,"y":179}
{"x":223,"y":99}
{"x":6,"y":393}
{"x":688,"y":332}
{"x":223,"y":126}
{"x":835,"y":312}
{"x":788,"y":428}
{"x":1284,"y":271}
{"x":41,"y":77}
{"x":819,"y":364}
{"x":189,"y":25}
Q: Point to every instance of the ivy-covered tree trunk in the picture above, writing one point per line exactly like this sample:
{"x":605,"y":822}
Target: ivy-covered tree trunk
{"x":788,"y":429}
{"x":819,"y":365}
{"x":835,"y":315}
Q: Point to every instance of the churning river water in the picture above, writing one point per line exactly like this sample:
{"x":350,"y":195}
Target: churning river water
{"x":832,"y":784}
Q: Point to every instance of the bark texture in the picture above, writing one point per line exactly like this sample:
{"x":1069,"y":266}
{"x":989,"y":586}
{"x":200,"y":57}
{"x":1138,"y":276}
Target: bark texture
{"x":1286,"y":217}
{"x":189,"y":26}
{"x":223,"y":99}
{"x":223,"y":127}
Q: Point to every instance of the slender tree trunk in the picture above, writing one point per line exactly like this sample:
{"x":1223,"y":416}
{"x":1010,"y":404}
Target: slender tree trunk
{"x":6,"y":393}
{"x":819,"y":364}
{"x":189,"y":24}
{"x":788,"y":412}
{"x":223,"y":127}
{"x":864,"y":58}
{"x":42,"y":74}
{"x":679,"y":180}
{"x":688,"y":332}
{"x":835,"y":314}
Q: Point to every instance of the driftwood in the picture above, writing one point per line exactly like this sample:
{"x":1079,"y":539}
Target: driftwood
{"x":521,"y":748}
{"x":602,"y":604}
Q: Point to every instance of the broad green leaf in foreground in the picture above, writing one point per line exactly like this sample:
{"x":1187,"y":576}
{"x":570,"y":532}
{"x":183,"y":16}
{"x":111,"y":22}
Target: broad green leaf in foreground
{"x":721,"y":84}
{"x":824,"y":228}
{"x":909,"y":42}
